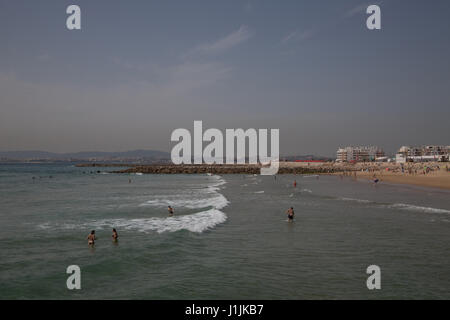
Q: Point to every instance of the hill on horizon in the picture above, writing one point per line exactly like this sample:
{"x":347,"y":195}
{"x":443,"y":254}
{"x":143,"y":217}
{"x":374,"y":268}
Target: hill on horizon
{"x":105,"y":155}
{"x":83,"y":155}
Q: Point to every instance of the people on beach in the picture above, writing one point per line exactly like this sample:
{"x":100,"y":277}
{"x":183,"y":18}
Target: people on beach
{"x":114,"y":236}
{"x":91,"y":238}
{"x":290,"y":214}
{"x":170,"y":209}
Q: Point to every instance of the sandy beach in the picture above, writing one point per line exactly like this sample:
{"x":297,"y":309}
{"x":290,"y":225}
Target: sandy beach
{"x":436,"y":176}
{"x":440,"y":179}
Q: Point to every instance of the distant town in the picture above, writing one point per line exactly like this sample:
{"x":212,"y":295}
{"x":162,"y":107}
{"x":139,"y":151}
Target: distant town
{"x":404,"y":154}
{"x":349,"y":154}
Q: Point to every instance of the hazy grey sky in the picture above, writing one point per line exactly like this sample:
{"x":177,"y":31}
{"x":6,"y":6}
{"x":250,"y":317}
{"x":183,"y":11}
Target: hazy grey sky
{"x":140,"y":69}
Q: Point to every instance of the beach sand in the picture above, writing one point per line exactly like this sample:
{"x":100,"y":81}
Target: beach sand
{"x":438,"y":177}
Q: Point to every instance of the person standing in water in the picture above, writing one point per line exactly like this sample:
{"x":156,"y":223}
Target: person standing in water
{"x":290,"y":214}
{"x":114,"y":236}
{"x":170,"y":209}
{"x":295,"y":183}
{"x":91,"y":238}
{"x":375,"y":179}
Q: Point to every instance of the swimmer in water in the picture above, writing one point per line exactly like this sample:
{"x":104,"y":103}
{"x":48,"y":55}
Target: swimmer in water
{"x":375,"y":179}
{"x":114,"y":236}
{"x":290,"y":214}
{"x":91,"y":238}
{"x":170,"y":209}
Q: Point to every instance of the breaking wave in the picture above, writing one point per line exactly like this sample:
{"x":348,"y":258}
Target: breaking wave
{"x":400,"y":206}
{"x":207,"y":198}
{"x":197,"y":222}
{"x":201,"y":198}
{"x":411,"y":207}
{"x":355,"y":200}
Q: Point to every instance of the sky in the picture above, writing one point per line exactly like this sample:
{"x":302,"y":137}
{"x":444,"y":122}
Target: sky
{"x":137,"y":70}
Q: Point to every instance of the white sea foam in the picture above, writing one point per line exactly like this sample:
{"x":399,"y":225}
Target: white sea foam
{"x":197,"y":222}
{"x":214,"y":187}
{"x":201,"y":198}
{"x":207,"y":198}
{"x":216,"y":201}
{"x":411,"y":207}
{"x":400,"y":206}
{"x":306,"y":190}
{"x":259,"y":191}
{"x":355,"y":200}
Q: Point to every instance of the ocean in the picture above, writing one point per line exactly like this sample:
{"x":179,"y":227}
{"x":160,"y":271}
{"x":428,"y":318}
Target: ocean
{"x":228,"y":239}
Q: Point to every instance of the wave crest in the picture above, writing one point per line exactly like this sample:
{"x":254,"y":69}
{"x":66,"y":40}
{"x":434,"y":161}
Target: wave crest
{"x":411,"y":207}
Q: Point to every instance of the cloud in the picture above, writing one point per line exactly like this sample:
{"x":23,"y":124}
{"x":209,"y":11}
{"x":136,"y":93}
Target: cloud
{"x":188,"y":76}
{"x":137,"y":113}
{"x":177,"y":78}
{"x":355,"y":10}
{"x":43,"y":57}
{"x":296,"y":36}
{"x":359,"y":9}
{"x":248,"y":7}
{"x":223,"y":44}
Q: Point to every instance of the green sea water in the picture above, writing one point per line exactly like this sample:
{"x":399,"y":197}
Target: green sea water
{"x":229,"y":237}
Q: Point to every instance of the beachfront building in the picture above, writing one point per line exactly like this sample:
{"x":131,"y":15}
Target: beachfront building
{"x":359,"y":154}
{"x":422,"y":154}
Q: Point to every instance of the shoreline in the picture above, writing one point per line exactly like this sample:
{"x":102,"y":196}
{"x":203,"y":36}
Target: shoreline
{"x":430,"y":174}
{"x":432,"y":180}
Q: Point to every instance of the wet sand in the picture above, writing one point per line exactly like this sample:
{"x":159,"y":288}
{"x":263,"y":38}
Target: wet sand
{"x":435,"y":179}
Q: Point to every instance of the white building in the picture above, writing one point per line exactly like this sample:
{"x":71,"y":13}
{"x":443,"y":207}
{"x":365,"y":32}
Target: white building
{"x":423,"y":154}
{"x":359,"y":154}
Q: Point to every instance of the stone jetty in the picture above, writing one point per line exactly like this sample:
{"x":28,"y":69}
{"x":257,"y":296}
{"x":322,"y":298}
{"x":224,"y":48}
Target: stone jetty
{"x":213,"y":169}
